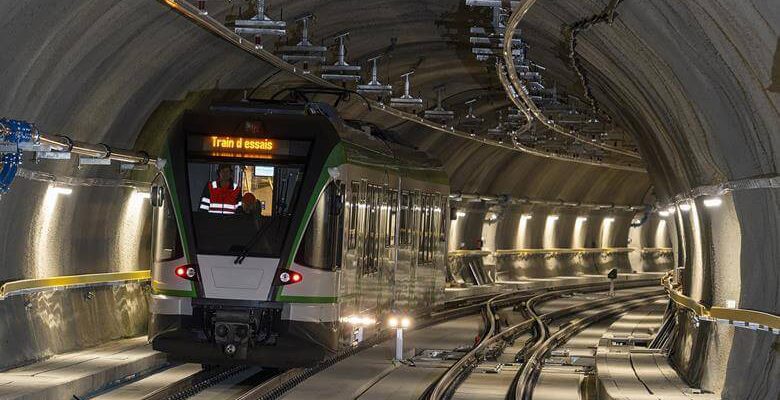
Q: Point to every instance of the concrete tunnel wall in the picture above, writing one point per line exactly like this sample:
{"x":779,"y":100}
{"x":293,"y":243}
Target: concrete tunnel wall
{"x":479,"y":227}
{"x":696,"y":83}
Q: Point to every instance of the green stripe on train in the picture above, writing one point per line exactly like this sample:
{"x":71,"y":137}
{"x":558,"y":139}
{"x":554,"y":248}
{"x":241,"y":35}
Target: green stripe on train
{"x":335,"y":158}
{"x":307,"y":299}
{"x":177,"y":212}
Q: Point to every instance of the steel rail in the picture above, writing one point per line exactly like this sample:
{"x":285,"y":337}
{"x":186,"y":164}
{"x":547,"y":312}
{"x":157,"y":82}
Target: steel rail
{"x":446,"y":384}
{"x":279,"y":385}
{"x":192,"y":384}
{"x":206,"y":21}
{"x":530,"y":106}
{"x":523,"y":386}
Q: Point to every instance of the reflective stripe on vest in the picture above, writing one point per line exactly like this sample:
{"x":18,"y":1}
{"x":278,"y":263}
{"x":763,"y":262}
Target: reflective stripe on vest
{"x":222,"y":200}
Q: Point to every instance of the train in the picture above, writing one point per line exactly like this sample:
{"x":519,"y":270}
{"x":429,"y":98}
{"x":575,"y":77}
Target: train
{"x":283,"y":234}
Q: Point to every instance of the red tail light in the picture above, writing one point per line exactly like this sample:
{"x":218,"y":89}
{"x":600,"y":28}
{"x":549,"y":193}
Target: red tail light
{"x":188,"y":271}
{"x":287,"y":277}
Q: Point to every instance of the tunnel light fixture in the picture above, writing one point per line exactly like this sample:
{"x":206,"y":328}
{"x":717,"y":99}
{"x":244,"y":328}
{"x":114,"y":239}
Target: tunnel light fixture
{"x":141,"y":194}
{"x":670,"y":210}
{"x":552,"y":218}
{"x":664,"y":213}
{"x":582,"y":219}
{"x":61,"y":190}
{"x":685,"y":207}
{"x":526,"y":216}
{"x":609,"y":220}
{"x":492,"y":217}
{"x":711,"y":202}
{"x":460,"y":214}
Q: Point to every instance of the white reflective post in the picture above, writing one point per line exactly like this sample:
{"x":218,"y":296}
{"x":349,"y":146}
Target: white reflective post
{"x":399,"y":343}
{"x":359,"y":334}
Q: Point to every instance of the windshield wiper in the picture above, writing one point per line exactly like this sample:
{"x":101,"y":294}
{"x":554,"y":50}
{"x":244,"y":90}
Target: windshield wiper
{"x":242,"y":256}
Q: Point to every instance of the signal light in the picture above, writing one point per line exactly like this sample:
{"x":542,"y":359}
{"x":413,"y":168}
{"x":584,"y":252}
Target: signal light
{"x":186,"y":271}
{"x":287,"y":277}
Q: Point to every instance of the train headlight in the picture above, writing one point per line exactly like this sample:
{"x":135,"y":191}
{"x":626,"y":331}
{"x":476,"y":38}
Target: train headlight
{"x":287,"y":277}
{"x":189,"y":271}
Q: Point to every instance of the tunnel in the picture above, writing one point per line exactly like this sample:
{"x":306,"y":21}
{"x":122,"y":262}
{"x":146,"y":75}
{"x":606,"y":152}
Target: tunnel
{"x":551,"y":149}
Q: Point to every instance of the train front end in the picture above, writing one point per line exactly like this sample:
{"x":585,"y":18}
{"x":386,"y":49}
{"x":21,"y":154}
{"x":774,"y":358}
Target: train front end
{"x":236,"y":193}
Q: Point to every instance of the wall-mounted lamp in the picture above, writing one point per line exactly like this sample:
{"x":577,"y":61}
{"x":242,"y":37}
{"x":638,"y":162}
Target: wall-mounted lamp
{"x":525,"y":216}
{"x":60,"y":190}
{"x":552,"y":218}
{"x":460,"y":214}
{"x":685,"y":207}
{"x":582,"y":219}
{"x":609,"y":220}
{"x":664,"y":213}
{"x":712,"y":202}
{"x":141,"y":194}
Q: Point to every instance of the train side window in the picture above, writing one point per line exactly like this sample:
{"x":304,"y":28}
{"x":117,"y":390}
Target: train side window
{"x":406,"y":219}
{"x":392,"y":217}
{"x":422,"y":249}
{"x":443,"y":208}
{"x":354,"y":199}
{"x":166,"y":244}
{"x":416,"y":215}
{"x":320,"y":246}
{"x":371,"y":229}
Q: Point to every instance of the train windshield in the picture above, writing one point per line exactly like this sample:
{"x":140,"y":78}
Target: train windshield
{"x":242,"y":209}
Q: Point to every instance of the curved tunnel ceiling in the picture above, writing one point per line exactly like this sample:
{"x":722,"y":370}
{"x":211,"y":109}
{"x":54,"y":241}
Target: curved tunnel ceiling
{"x":102,"y":71}
{"x":696,"y":84}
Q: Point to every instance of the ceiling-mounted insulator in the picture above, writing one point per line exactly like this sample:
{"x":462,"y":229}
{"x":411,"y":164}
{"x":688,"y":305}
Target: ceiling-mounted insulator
{"x":374,"y":87}
{"x":260,"y":25}
{"x":304,"y":51}
{"x":470,"y":121}
{"x":438,"y":113}
{"x":341,"y":71}
{"x":499,"y":130}
{"x":406,"y":100}
{"x":486,"y":41}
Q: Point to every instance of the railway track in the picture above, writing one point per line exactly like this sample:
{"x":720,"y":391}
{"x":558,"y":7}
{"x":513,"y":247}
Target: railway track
{"x":274,"y":384}
{"x":542,"y":343}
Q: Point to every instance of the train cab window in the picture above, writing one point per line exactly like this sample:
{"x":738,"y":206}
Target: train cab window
{"x":166,"y":245}
{"x":242,"y":208}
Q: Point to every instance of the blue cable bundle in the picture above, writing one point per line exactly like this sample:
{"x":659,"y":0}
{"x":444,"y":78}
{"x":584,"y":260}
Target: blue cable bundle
{"x":12,"y":132}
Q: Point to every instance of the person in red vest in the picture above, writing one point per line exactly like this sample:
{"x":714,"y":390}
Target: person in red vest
{"x":222,"y":196}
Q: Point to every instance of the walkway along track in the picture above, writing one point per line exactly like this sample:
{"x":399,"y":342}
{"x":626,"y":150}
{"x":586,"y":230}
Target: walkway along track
{"x":493,"y":343}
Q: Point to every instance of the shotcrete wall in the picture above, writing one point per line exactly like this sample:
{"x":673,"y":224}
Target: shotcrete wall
{"x":697,"y":83}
